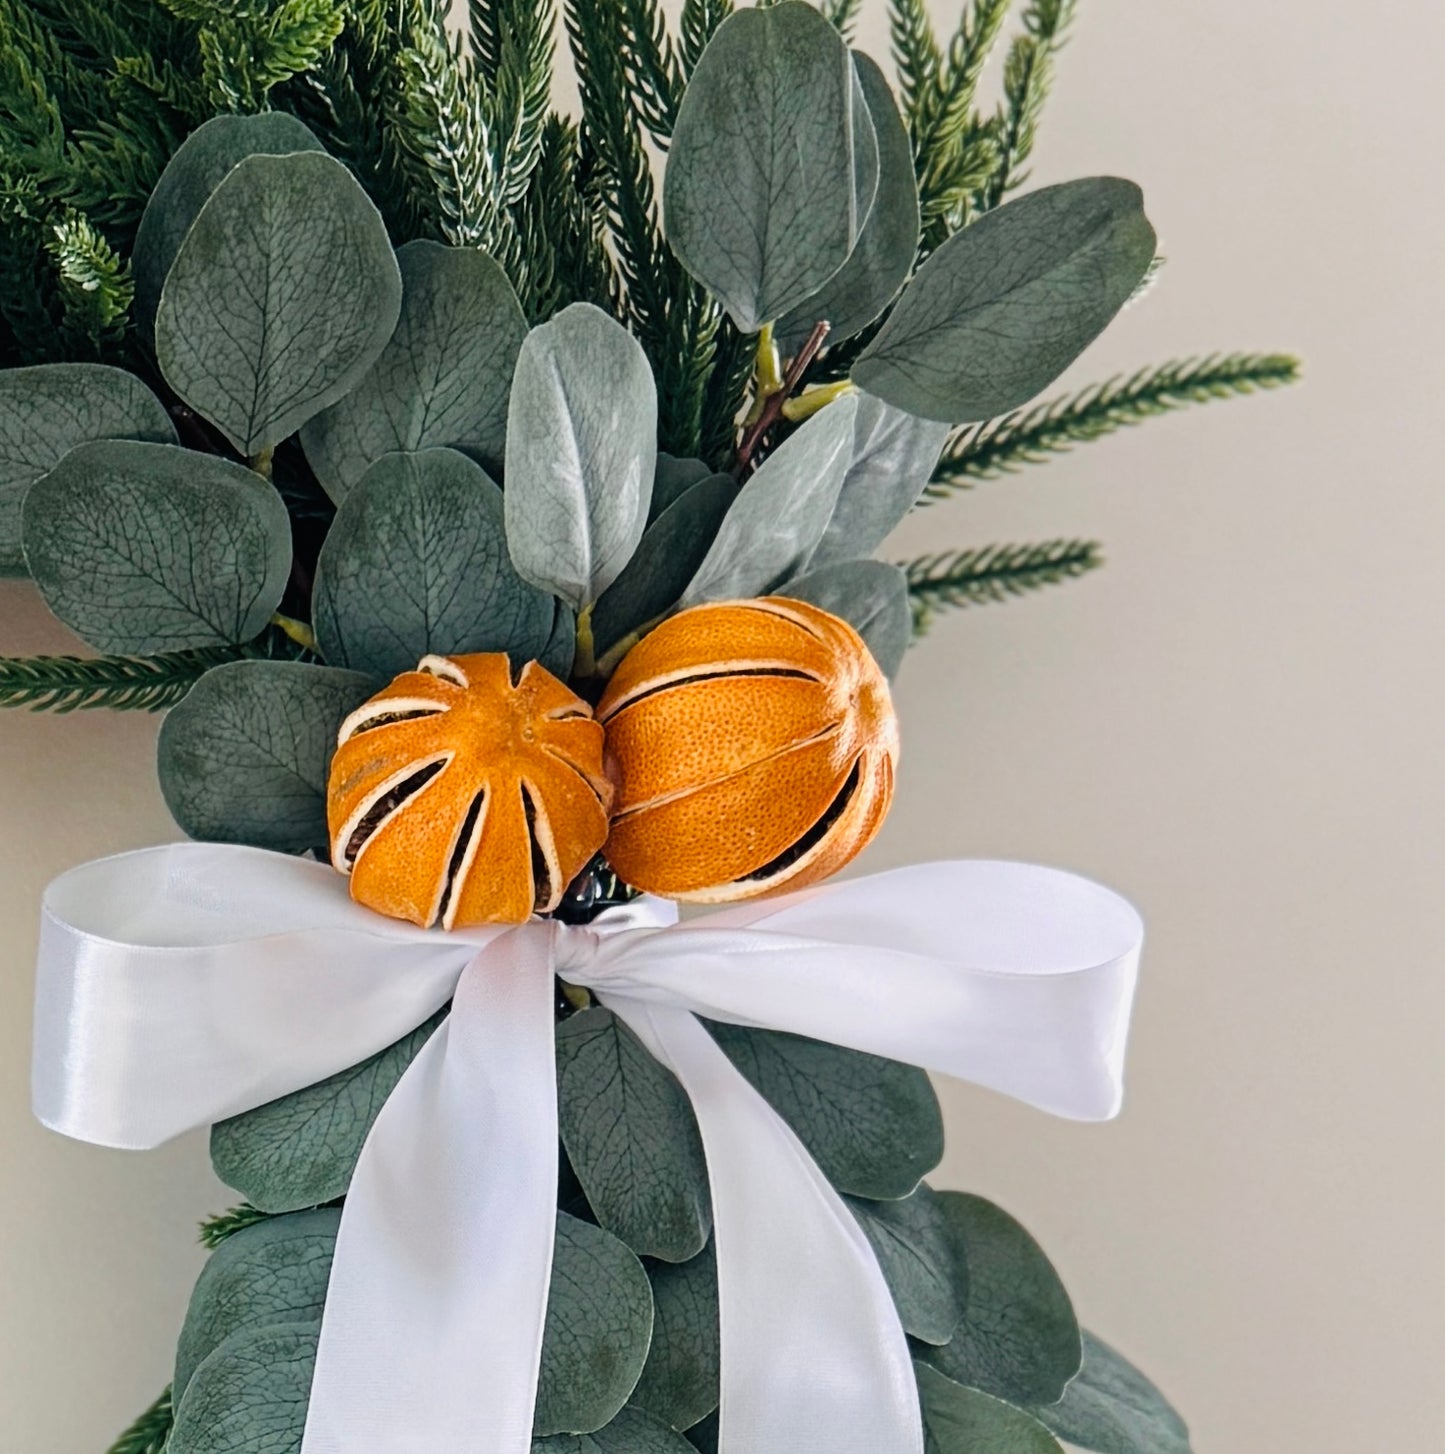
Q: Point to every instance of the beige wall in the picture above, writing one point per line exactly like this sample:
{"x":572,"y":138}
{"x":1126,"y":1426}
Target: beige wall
{"x":1236,"y":723}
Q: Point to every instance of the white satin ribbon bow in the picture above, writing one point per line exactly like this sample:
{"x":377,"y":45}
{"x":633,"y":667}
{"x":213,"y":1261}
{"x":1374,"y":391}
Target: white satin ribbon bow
{"x":182,"y":984}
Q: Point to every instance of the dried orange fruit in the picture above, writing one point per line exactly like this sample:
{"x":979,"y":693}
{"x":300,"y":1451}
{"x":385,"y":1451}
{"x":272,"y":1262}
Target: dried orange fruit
{"x":458,"y":794}
{"x":753,"y":746}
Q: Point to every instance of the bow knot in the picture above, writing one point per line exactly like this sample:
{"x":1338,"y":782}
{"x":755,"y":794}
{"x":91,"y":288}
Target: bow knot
{"x":181,"y":985}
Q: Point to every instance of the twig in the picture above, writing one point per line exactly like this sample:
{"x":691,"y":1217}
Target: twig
{"x":774,"y":407}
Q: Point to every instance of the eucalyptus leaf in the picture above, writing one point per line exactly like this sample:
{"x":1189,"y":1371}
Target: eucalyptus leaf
{"x":243,"y":757}
{"x":680,"y":1381}
{"x":581,"y":452}
{"x":250,"y":1396}
{"x":958,"y":1420}
{"x":779,"y":516}
{"x":599,"y":1325}
{"x":557,"y":655}
{"x":1003,"y":307}
{"x":45,"y":412}
{"x":1112,"y":1408}
{"x":872,"y":1125}
{"x":880,"y":263}
{"x":442,"y":379}
{"x":773,"y":164}
{"x":200,"y":164}
{"x":1018,"y":1338}
{"x":631,"y":1138}
{"x":894,"y":454}
{"x":417,"y":562}
{"x":672,"y":550}
{"x":632,"y":1432}
{"x":301,"y":1149}
{"x":273,"y":1272}
{"x":871,"y":596}
{"x":142,"y":548}
{"x":282,"y":296}
{"x":911,"y":1239}
{"x":672,"y":479}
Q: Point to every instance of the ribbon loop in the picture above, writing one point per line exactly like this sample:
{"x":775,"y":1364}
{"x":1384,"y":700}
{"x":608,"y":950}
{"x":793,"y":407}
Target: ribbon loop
{"x":184,"y":984}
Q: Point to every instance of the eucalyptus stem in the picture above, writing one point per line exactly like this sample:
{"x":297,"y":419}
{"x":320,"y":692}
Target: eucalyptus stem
{"x":773,"y":409}
{"x":298,"y":631}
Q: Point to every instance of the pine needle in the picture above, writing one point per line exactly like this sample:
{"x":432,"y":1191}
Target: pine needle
{"x":150,"y":1432}
{"x":1034,"y":434}
{"x":215,"y":1230}
{"x":990,"y":573}
{"x":120,"y":683}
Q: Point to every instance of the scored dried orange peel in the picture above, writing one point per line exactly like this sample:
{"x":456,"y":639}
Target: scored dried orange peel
{"x":753,"y":745}
{"x":458,"y":794}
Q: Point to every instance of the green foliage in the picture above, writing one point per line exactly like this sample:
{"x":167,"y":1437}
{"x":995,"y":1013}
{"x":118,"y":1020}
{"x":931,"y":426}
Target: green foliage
{"x":871,"y":596}
{"x":1017,"y":1337}
{"x":680,"y":1382}
{"x":215,"y":1230}
{"x":300,"y":1150}
{"x":961,"y":1420}
{"x":1032,"y":435}
{"x":1028,"y":75}
{"x":417,"y":563}
{"x":773,"y":164}
{"x":871,"y":1124}
{"x":911,"y":1239}
{"x":150,"y":1431}
{"x":990,"y":573}
{"x":581,"y":453}
{"x":142,"y":548}
{"x":120,"y":683}
{"x":96,"y":287}
{"x":244,"y":758}
{"x":1003,"y":307}
{"x":272,"y":1272}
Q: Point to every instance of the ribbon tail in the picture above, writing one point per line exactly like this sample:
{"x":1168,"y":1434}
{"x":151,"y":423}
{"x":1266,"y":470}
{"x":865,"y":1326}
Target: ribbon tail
{"x":814,"y":1360}
{"x":432,"y":1335}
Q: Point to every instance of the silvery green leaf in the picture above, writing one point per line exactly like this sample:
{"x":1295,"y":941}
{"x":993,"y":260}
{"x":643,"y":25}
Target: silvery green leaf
{"x":871,"y":596}
{"x":773,"y":163}
{"x":680,"y":1382}
{"x":556,"y":656}
{"x":442,"y":379}
{"x":416,"y":562}
{"x":243,"y":757}
{"x":141,"y":548}
{"x":599,"y":1326}
{"x":672,"y":479}
{"x":45,"y":412}
{"x":301,"y":1149}
{"x":872,"y":1125}
{"x":282,"y":296}
{"x":1006,"y":305}
{"x":1018,"y":1338}
{"x":273,"y":1272}
{"x":880,"y":263}
{"x":958,"y":1420}
{"x":250,"y":1396}
{"x":633,"y":1431}
{"x":581,"y":451}
{"x":779,"y":516}
{"x":200,"y":164}
{"x":673,"y":548}
{"x":631,"y":1138}
{"x":1112,"y":1408}
{"x":894,"y":454}
{"x":910,"y":1237}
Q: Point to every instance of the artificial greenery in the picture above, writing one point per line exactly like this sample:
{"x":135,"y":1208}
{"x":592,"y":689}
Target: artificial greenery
{"x":329,"y":344}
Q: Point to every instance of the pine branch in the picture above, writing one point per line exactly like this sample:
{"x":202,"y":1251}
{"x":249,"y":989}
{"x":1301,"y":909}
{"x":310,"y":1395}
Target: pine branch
{"x":990,"y":573}
{"x":700,"y":19}
{"x":1032,"y":435}
{"x":150,"y":1432}
{"x":654,"y":73}
{"x":120,"y":683}
{"x":955,"y":153}
{"x":843,"y":14}
{"x":215,"y":1230}
{"x":1028,"y":75}
{"x":96,"y":288}
{"x":916,"y":56}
